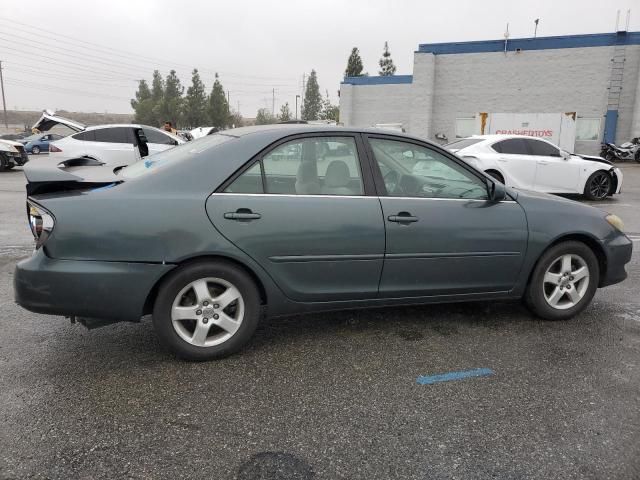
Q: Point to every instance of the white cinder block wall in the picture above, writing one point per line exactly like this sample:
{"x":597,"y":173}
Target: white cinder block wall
{"x":446,"y":86}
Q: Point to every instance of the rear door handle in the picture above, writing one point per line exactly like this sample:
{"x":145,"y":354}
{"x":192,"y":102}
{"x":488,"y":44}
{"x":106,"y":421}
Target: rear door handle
{"x":542,"y":162}
{"x":242,"y":214}
{"x":402,"y":217}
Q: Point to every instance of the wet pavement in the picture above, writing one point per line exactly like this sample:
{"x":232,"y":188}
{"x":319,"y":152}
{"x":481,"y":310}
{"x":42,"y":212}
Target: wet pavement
{"x":327,"y":396}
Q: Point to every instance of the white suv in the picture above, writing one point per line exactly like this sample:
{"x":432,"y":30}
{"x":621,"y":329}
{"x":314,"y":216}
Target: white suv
{"x":534,"y":164}
{"x":116,"y":145}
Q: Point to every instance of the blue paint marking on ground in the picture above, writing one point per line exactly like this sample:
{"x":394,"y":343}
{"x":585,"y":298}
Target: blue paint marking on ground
{"x":447,"y":377}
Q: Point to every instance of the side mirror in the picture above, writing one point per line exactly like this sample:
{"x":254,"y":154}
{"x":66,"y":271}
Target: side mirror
{"x":497,"y":191}
{"x":565,"y":155}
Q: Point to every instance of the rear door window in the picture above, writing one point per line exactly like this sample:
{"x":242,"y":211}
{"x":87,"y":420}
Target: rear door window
{"x":113,"y":135}
{"x":511,"y":146}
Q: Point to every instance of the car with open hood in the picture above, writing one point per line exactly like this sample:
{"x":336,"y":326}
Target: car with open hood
{"x":533,"y":163}
{"x":212,"y":235}
{"x":113,"y":145}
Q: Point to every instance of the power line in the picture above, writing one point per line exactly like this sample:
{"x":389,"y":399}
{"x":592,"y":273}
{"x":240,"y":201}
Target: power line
{"x":41,"y":86}
{"x":122,"y":53}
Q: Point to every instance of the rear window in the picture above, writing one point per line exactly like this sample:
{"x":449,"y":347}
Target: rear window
{"x":464,"y":143}
{"x":154,"y":136}
{"x":181,"y":152}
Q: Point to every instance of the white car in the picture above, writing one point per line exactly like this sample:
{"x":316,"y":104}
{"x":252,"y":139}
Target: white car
{"x":534,"y":164}
{"x":11,"y":154}
{"x":116,"y":145}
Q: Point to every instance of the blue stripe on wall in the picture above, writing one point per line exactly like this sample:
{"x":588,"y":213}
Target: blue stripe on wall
{"x":387,"y":80}
{"x":539,"y":43}
{"x":610,"y":125}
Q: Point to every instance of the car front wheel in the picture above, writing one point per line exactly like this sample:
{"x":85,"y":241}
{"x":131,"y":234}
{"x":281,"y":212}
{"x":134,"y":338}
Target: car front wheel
{"x":563,"y":282}
{"x":598,"y":186}
{"x":35,"y":150}
{"x":206,"y":310}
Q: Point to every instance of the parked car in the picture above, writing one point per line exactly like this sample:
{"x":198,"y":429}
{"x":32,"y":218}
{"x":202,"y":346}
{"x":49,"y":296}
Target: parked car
{"x":211,"y":235}
{"x":36,"y":144}
{"x":11,"y":154}
{"x":116,"y":145}
{"x":534,"y":164}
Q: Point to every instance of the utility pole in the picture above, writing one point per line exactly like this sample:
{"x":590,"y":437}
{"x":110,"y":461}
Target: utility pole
{"x":238,"y":107}
{"x":4,"y":103}
{"x":297,"y":97}
{"x":535,"y":30}
{"x":273,"y":102}
{"x":303,"y":93}
{"x":228,"y":104}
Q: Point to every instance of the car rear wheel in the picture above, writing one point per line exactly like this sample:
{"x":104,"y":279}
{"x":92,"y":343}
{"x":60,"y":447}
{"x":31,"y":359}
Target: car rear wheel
{"x":4,"y":163}
{"x":206,"y":310}
{"x":598,"y":186}
{"x":35,"y":150}
{"x":563,"y":282}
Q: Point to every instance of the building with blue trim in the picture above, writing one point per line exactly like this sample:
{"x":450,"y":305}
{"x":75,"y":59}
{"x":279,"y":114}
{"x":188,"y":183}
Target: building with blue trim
{"x":594,"y":77}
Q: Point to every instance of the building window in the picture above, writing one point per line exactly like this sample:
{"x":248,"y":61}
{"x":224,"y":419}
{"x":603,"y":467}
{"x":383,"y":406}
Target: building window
{"x":588,"y":129}
{"x":465,"y":127}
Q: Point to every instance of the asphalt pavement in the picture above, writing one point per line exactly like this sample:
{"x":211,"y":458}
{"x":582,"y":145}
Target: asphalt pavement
{"x":348,"y":395}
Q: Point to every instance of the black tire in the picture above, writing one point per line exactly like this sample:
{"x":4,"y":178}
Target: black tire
{"x":598,"y":185}
{"x":496,"y":175}
{"x":35,"y":150}
{"x":4,"y":163}
{"x":181,"y":278}
{"x":637,"y":157}
{"x":610,"y":157}
{"x":535,"y":293}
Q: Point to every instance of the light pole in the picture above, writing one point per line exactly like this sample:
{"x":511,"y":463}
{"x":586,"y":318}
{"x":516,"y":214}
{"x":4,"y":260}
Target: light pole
{"x":297,"y":97}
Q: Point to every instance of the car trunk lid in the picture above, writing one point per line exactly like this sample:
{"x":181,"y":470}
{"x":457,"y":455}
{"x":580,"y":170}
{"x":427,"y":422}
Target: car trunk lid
{"x":49,"y":119}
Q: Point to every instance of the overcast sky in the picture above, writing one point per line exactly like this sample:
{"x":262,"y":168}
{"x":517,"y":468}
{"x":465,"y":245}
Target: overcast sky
{"x":86,"y":55}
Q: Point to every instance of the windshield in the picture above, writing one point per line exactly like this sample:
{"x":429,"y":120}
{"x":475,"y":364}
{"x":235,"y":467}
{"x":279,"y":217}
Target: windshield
{"x":462,"y":143}
{"x":181,"y":152}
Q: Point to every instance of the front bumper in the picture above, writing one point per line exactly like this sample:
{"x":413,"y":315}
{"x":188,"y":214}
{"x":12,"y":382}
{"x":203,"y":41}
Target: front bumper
{"x":114,"y":291}
{"x":618,"y":249}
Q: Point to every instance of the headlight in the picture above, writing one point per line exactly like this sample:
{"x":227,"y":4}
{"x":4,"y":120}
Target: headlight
{"x":615,"y":221}
{"x":41,"y":223}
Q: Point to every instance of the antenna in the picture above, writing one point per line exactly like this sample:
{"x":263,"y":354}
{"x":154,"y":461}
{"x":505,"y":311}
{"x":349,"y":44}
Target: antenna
{"x":626,"y":28}
{"x":535,"y":30}
{"x":506,"y":38}
{"x":617,"y":20}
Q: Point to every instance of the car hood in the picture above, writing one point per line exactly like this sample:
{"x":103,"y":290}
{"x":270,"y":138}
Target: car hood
{"x":592,"y":158}
{"x":49,"y":119}
{"x":9,"y":146}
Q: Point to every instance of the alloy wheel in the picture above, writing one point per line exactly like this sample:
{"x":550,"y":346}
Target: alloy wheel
{"x":35,"y":150}
{"x":566,"y":281}
{"x":207,"y":312}
{"x":600,"y":185}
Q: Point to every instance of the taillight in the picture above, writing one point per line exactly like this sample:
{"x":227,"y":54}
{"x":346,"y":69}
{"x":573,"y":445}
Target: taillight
{"x":53,"y":148}
{"x":41,"y":223}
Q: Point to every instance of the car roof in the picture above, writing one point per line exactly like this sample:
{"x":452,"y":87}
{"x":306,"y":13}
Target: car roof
{"x":284,"y":130}
{"x":502,"y":137}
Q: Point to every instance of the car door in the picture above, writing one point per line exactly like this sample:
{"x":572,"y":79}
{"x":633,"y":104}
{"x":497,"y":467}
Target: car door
{"x":554,"y":173}
{"x":443,"y":235}
{"x":514,"y":159}
{"x":158,"y":141}
{"x":306,"y":212}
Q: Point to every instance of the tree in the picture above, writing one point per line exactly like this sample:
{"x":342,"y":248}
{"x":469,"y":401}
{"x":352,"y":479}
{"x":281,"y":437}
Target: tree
{"x":285,"y":113}
{"x":195,"y":102}
{"x":264,"y":117}
{"x":143,"y":104}
{"x":236,"y":120}
{"x":312,"y":103}
{"x":329,"y":111}
{"x":171,"y":105}
{"x":218,"y":107}
{"x":157,"y":92}
{"x":386,"y":63}
{"x":354,"y":64}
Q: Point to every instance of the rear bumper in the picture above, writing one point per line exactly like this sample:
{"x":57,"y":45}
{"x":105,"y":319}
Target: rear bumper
{"x":618,"y":251}
{"x":114,"y":291}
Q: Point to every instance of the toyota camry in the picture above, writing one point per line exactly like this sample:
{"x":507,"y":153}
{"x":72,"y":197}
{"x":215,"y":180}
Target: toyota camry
{"x":210,"y":236}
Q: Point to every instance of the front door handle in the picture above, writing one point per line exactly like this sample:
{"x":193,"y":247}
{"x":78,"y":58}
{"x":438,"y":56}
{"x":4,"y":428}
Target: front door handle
{"x":242,"y":215}
{"x":402,"y":217}
{"x":542,"y":162}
